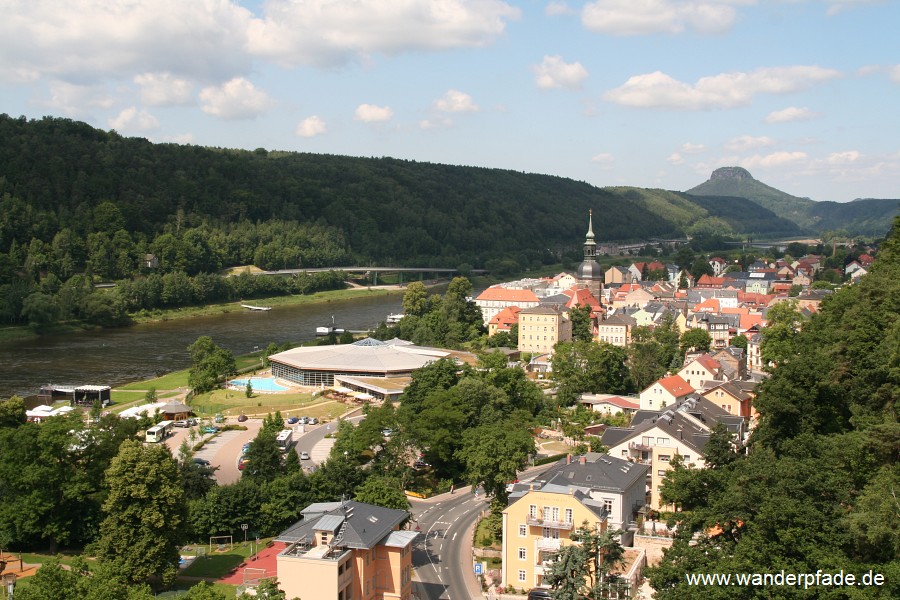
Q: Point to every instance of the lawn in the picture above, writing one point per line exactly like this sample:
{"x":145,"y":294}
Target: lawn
{"x":232,"y":402}
{"x":171,"y":381}
{"x":218,"y":564}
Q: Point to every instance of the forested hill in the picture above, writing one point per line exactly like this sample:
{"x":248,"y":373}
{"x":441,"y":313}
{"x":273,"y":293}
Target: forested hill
{"x":866,"y":217}
{"x":55,"y":173}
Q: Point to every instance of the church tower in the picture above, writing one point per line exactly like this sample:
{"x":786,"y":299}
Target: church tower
{"x":590,"y":274}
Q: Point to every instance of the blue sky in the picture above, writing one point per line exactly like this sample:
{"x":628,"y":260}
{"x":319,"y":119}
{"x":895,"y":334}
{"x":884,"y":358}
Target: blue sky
{"x":649,"y":93}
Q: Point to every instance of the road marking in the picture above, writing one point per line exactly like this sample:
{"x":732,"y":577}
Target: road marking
{"x":453,"y":539}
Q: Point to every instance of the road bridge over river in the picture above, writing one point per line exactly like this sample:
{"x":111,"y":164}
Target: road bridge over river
{"x":374,"y":271}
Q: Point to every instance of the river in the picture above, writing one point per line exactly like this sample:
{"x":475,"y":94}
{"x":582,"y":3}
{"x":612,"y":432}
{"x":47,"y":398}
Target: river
{"x":117,"y":356}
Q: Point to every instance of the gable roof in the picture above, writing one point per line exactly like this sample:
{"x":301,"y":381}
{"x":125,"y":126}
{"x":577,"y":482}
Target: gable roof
{"x":503,"y":294}
{"x":363,"y":525}
{"x":675,"y":385}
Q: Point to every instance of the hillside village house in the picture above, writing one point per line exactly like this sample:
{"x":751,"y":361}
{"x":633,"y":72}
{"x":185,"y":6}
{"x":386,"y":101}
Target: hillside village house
{"x":656,"y":437}
{"x":665,"y":392}
{"x":601,"y":490}
{"x":494,"y":299}
{"x":347,"y":550}
{"x":700,"y":371}
{"x":616,"y":330}
{"x":503,"y":320}
{"x":732,"y":398}
{"x":610,"y":404}
{"x":541,"y":327}
{"x":617,"y":274}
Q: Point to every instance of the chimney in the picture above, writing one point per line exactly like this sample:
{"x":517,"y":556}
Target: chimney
{"x":568,"y":459}
{"x":680,"y":434}
{"x":583,"y":459}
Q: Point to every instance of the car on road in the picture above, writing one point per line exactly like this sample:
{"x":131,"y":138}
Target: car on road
{"x":242,"y":417}
{"x":201,"y":461}
{"x":292,"y":420}
{"x":539,"y":594}
{"x":304,"y":455}
{"x":210,"y":429}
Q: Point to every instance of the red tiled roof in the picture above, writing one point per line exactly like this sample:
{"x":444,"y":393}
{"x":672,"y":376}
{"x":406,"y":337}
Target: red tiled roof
{"x":506,"y":318}
{"x":675,"y":385}
{"x":580,"y":296}
{"x":507,"y":295}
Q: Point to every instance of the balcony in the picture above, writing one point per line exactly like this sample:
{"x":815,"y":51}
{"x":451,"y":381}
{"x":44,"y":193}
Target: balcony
{"x":546,"y":543}
{"x":538,"y":522}
{"x":638,"y":446}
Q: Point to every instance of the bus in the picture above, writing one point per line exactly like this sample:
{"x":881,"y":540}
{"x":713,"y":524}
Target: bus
{"x":285,"y":439}
{"x":159,"y":432}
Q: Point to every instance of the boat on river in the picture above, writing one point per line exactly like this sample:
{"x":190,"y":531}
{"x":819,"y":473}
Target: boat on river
{"x":393,"y":318}
{"x":251,"y":307}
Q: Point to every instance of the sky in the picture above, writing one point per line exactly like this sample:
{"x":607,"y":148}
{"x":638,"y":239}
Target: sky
{"x":804,"y":94}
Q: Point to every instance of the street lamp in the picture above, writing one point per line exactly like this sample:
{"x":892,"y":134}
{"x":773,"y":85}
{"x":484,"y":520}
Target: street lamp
{"x":9,"y":582}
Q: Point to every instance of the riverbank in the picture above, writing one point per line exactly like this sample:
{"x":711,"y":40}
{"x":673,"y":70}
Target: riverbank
{"x":23,"y":332}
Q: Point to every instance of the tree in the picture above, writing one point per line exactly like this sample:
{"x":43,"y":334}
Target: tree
{"x":581,"y":323}
{"x":595,"y":367}
{"x":265,"y":461}
{"x":145,"y":513}
{"x":581,"y":569}
{"x":696,"y":339}
{"x":415,"y":299}
{"x":248,"y":390}
{"x":382,"y":491}
{"x":493,"y":454}
{"x":209,"y":363}
{"x":12,"y":412}
{"x":783,"y":322}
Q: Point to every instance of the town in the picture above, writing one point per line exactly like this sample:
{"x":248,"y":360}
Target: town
{"x":579,"y":421}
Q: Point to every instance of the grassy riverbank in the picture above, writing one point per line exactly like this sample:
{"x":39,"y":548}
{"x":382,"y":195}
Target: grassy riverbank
{"x":21,"y":332}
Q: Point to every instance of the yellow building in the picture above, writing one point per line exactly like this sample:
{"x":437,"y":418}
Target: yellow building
{"x":541,"y":327}
{"x":594,"y":488}
{"x":347,"y":550}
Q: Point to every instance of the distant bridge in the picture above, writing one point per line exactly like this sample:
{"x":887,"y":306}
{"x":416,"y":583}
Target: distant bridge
{"x":422,"y":271}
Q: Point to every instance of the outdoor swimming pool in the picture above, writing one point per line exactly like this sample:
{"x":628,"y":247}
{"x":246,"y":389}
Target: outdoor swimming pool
{"x":260,"y":384}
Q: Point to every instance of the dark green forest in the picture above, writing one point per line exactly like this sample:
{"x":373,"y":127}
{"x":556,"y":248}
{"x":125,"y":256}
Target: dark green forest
{"x":817,"y":486}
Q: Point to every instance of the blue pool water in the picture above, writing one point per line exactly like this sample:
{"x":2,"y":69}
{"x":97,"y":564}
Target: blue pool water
{"x":260,"y":384}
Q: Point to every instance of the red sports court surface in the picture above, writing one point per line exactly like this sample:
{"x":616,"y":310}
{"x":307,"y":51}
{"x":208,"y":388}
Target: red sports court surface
{"x":265,"y":559}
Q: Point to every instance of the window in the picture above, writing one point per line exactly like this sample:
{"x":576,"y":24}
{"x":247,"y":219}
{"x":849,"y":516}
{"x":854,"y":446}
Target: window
{"x":521,"y":574}
{"x":532,"y":510}
{"x":522,"y":554}
{"x":661,"y":473}
{"x":568,"y":515}
{"x":687,"y":458}
{"x":608,"y":505}
{"x":665,"y":457}
{"x":663,"y":441}
{"x":523,"y":531}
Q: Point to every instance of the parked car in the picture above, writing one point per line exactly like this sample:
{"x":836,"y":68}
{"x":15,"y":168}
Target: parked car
{"x":303,"y":420}
{"x":245,"y":448}
{"x":421,"y":464}
{"x":201,"y":461}
{"x":182,"y":423}
{"x":539,"y":594}
{"x":242,"y":417}
{"x":386,"y":432}
{"x":243,"y":462}
{"x":313,"y":421}
{"x":220,"y":418}
{"x":304,"y":455}
{"x":210,"y":429}
{"x":292,"y":420}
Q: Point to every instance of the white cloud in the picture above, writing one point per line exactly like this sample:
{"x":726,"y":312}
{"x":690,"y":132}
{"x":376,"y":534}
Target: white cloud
{"x":554,"y":72}
{"x":791,"y":114}
{"x":558,"y":8}
{"x":604,"y":159}
{"x":895,"y":73}
{"x":775,"y":159}
{"x":74,"y":99}
{"x":455,"y":101}
{"x":726,"y":90}
{"x":236,"y":99}
{"x":642,"y":17}
{"x":88,"y":41}
{"x":164,"y":89}
{"x":369,"y":113}
{"x":311,"y":127}
{"x":132,"y":119}
{"x":328,"y":32}
{"x":843,"y":158}
{"x":689,"y":148}
{"x":675,"y":159}
{"x":746,"y":142}
{"x":838,"y":6}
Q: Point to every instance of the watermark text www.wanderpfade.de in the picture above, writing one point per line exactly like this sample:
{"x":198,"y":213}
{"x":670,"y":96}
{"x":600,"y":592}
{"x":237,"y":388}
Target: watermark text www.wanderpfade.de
{"x":784,"y":579}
